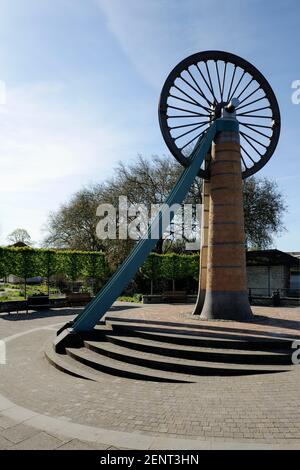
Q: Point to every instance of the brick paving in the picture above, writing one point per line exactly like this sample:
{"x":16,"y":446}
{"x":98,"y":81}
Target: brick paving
{"x":267,"y":321}
{"x":234,"y":411}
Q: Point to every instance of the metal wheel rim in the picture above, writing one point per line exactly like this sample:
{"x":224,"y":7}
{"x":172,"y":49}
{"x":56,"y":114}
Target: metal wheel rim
{"x":201,"y":85}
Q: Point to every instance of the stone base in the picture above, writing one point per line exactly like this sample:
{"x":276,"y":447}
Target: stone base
{"x":199,"y":302}
{"x":67,"y":338}
{"x":226,"y":306}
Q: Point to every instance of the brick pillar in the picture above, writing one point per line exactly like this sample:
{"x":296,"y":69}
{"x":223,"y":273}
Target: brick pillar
{"x":203,"y":251}
{"x":226,"y":286}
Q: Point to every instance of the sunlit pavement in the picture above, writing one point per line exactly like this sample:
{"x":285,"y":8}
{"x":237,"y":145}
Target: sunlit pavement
{"x":43,"y":408}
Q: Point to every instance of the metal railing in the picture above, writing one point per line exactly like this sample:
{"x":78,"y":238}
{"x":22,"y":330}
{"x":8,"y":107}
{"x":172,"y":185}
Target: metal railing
{"x":269,"y":292}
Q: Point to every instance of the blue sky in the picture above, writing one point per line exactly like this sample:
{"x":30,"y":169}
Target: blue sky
{"x":83,"y":79}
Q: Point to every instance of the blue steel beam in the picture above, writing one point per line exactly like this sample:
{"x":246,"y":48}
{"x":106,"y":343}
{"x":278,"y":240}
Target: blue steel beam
{"x":97,"y":308}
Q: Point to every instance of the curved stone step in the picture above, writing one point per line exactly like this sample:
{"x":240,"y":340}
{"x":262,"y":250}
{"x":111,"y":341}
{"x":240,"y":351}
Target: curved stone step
{"x":67,"y":365}
{"x":197,"y":353}
{"x":75,"y":365}
{"x":111,"y":366}
{"x":201,"y":339}
{"x":185,"y":366}
{"x":214,"y":329}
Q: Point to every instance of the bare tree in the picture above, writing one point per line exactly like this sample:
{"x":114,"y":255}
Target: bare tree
{"x":20,"y":235}
{"x":149,"y":181}
{"x":73,"y":226}
{"x":264,"y":207}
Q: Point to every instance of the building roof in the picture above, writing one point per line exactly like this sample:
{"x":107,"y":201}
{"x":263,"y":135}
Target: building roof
{"x":18,"y":245}
{"x":294,"y":253}
{"x":271,"y":258}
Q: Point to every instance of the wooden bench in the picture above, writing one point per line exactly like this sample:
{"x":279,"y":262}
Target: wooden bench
{"x":58,"y":302}
{"x":38,"y":302}
{"x":79,"y":299}
{"x":152,"y":299}
{"x":174,"y":296}
{"x":14,"y":306}
{"x":274,"y":299}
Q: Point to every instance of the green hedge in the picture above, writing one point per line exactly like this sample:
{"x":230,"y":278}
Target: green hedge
{"x":29,"y":262}
{"x":170,"y":266}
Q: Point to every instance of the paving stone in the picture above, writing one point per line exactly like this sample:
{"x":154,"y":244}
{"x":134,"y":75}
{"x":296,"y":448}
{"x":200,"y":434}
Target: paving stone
{"x":39,"y":441}
{"x":76,"y":444}
{"x":18,"y":433}
{"x":4,"y":443}
{"x":6,"y":422}
{"x":264,"y":407}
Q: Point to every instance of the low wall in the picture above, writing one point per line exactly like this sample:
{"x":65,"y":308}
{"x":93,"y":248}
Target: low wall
{"x":157,"y":299}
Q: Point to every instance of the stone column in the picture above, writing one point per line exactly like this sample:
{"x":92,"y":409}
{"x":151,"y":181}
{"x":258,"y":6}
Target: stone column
{"x":203,"y":250}
{"x":226,"y":287}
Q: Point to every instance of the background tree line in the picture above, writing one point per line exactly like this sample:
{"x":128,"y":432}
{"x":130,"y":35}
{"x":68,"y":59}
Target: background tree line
{"x":149,"y":182}
{"x":33,"y":262}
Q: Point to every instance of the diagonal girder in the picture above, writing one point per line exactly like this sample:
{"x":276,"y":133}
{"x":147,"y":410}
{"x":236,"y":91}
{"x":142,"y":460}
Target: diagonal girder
{"x":97,"y":308}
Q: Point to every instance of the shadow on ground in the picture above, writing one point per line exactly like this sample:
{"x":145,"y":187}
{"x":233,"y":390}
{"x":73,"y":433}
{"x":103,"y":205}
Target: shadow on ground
{"x":257,"y":320}
{"x":55,"y":312}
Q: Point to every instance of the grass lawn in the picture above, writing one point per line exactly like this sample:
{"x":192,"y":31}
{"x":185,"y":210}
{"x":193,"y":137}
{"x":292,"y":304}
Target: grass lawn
{"x":10,"y":292}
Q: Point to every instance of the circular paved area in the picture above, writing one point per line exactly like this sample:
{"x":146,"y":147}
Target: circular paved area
{"x":49,"y":409}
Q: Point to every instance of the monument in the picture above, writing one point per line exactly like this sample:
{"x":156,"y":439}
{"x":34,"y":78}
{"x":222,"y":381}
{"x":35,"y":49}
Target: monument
{"x":201,"y":89}
{"x":220,"y":119}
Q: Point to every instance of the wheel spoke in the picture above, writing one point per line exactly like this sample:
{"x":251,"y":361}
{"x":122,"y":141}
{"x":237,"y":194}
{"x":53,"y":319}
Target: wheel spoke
{"x":251,"y":94}
{"x":184,"y":116}
{"x":255,"y":116}
{"x":246,"y":113}
{"x":200,"y":138}
{"x":245,"y":88}
{"x":244,"y":162}
{"x":197,"y":85}
{"x":254,"y":140}
{"x":186,"y":94}
{"x":193,"y":88}
{"x":189,"y":102}
{"x":231,"y":83}
{"x":183,"y":99}
{"x":186,"y":125}
{"x":206,"y":83}
{"x":192,"y":140}
{"x":255,"y":130}
{"x":237,"y":85}
{"x":254,"y":148}
{"x":251,"y":102}
{"x":218,"y":76}
{"x":187,"y":111}
{"x":191,"y":130}
{"x":210,"y":81}
{"x":249,"y":156}
{"x":255,"y":125}
{"x":223,"y":82}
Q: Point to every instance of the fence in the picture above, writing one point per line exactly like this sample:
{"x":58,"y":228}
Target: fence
{"x":266,"y":292}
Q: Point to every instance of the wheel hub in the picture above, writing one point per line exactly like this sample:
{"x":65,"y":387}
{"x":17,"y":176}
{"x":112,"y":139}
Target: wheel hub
{"x":216,"y":111}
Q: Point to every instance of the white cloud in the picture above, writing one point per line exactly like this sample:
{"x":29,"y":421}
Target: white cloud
{"x":41,"y":141}
{"x":48,"y":150}
{"x":147,"y":33}
{"x":157,"y":34}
